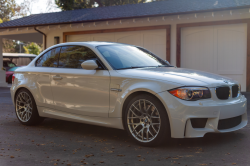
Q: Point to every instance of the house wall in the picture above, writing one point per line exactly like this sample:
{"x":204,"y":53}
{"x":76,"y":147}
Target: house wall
{"x":153,"y":21}
{"x":174,"y":20}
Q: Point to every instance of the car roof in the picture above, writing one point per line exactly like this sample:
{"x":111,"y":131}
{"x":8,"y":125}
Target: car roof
{"x":90,"y":43}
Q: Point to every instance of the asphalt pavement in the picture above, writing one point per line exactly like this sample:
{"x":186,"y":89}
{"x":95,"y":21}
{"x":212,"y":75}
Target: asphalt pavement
{"x":57,"y":142}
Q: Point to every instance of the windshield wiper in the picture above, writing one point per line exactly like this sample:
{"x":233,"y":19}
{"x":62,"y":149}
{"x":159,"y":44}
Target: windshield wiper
{"x":134,"y":67}
{"x":165,"y":66}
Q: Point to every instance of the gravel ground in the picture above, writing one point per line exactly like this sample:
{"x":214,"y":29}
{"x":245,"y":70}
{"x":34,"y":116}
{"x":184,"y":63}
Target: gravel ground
{"x":57,"y":142}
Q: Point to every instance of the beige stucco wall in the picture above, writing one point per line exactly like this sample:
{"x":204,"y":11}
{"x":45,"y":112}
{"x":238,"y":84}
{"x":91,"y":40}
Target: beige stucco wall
{"x":57,"y":30}
{"x":53,"y":31}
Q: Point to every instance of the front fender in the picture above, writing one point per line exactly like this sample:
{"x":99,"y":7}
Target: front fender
{"x":128,"y":86}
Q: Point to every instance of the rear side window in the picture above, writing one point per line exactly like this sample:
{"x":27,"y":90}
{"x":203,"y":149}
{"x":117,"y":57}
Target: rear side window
{"x":73,"y":56}
{"x":49,"y":59}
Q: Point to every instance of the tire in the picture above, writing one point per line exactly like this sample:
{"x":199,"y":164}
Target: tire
{"x":150,"y":126}
{"x":26,"y":109}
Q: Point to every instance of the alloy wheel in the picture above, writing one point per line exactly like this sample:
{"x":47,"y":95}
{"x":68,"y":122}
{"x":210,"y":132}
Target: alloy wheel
{"x":143,"y":120}
{"x":23,"y":106}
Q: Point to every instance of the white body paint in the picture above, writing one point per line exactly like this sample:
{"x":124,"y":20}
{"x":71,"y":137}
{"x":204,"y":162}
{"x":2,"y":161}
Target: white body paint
{"x":90,"y":96}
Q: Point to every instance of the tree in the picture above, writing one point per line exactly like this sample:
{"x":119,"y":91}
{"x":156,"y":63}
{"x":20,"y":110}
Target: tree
{"x":10,"y":10}
{"x":81,"y":4}
{"x":32,"y":48}
{"x":9,"y":46}
{"x":7,"y":10}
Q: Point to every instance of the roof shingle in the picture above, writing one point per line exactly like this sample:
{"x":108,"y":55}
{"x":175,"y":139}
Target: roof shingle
{"x":125,"y":11}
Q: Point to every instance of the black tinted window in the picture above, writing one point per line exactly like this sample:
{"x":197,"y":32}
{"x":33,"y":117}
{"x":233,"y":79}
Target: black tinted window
{"x":49,"y":59}
{"x":73,"y":56}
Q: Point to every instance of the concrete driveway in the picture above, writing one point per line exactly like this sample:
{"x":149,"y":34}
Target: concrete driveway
{"x":57,"y":142}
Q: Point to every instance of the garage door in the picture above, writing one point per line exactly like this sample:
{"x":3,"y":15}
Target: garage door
{"x":218,"y":49}
{"x":153,"y":40}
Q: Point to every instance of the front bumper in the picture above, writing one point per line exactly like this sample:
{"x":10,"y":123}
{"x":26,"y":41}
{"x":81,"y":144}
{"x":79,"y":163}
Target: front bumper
{"x":180,"y":112}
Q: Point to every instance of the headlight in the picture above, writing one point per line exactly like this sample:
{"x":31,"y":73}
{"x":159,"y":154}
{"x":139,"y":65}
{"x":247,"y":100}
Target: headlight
{"x":191,"y":93}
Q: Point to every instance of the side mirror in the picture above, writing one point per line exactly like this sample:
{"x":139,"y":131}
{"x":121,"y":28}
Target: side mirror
{"x":89,"y":65}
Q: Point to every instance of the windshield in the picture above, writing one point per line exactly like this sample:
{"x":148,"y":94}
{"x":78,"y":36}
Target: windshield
{"x":126,"y":57}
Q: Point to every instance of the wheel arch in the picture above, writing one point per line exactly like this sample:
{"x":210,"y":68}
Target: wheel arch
{"x":34,"y":118}
{"x":133,"y":94}
{"x":20,"y":88}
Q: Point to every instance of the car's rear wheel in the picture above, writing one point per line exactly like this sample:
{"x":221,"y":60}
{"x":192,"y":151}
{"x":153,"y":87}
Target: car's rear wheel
{"x":26,"y":109}
{"x":146,"y":120}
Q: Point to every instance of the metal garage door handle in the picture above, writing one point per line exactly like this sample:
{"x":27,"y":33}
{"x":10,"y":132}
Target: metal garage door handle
{"x":57,"y":78}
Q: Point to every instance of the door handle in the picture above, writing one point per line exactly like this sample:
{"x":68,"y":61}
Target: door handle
{"x":57,"y":78}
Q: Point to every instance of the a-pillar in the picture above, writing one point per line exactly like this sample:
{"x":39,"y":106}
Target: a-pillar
{"x":2,"y":72}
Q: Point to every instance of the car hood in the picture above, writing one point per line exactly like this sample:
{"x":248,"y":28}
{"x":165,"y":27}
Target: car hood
{"x":185,"y":77}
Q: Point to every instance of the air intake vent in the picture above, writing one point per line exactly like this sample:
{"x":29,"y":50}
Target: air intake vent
{"x":198,"y":122}
{"x":223,"y":92}
{"x":235,"y":90}
{"x":229,"y":123}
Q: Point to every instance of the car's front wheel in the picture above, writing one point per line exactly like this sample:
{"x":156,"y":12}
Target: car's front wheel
{"x":26,"y":109}
{"x":146,"y":120}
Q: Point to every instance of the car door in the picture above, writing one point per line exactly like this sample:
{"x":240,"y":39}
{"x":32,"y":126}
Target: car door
{"x":80,"y":91}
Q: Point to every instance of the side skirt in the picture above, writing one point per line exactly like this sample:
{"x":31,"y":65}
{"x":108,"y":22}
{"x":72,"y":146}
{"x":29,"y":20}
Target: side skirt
{"x":100,"y":121}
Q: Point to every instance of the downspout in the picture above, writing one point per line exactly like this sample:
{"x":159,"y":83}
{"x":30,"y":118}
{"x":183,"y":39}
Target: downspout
{"x":45,"y":37}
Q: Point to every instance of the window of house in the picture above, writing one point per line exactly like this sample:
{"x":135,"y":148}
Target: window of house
{"x":74,"y":56}
{"x":49,"y":59}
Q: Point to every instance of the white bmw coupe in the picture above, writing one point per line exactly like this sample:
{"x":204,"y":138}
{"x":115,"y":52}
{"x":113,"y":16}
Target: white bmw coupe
{"x":126,"y":87}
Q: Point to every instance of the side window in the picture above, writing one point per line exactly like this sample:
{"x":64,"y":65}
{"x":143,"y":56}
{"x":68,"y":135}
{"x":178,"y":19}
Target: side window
{"x":49,"y":59}
{"x":73,"y":56}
